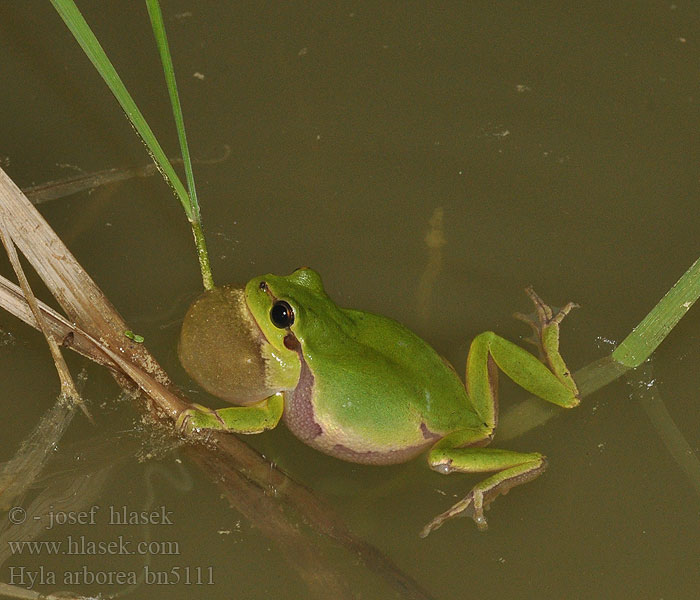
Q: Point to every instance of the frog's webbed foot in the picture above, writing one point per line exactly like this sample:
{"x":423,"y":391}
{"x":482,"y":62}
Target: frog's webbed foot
{"x":472,"y":505}
{"x":512,"y":468}
{"x":543,"y":319}
{"x":545,"y":328}
{"x":482,"y":494}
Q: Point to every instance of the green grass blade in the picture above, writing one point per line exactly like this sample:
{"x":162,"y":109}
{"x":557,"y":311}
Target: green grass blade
{"x":158,"y":26}
{"x":651,"y":331}
{"x":88,"y":42}
{"x":74,"y":20}
{"x":631,"y":353}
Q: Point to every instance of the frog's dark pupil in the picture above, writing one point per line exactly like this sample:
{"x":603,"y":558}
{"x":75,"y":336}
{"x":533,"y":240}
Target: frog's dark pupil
{"x":281,"y":314}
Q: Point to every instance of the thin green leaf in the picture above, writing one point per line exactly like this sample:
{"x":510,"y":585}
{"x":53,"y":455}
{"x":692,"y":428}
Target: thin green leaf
{"x":652,"y":330}
{"x":159,"y":32}
{"x":83,"y":34}
{"x":631,"y":353}
{"x":158,"y":26}
{"x":88,"y":42}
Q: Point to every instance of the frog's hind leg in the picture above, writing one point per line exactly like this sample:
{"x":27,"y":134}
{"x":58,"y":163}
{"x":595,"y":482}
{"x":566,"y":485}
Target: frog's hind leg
{"x":549,"y":378}
{"x":511,"y":469}
{"x":545,"y":335}
{"x":489,"y":352}
{"x":456,"y":453}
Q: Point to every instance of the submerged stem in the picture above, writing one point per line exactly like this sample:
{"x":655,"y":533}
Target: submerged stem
{"x":203,"y":255}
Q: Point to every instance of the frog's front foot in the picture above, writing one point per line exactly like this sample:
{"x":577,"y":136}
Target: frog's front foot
{"x":198,"y":417}
{"x":472,"y":502}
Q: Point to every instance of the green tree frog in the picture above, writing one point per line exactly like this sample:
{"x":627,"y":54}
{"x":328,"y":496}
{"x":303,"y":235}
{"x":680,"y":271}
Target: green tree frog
{"x":362,"y":387}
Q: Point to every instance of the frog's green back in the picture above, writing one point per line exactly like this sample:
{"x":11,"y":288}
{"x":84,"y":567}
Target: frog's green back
{"x":387,"y":380}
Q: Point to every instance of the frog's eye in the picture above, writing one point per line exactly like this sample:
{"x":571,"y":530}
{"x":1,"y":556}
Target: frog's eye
{"x":282,"y":314}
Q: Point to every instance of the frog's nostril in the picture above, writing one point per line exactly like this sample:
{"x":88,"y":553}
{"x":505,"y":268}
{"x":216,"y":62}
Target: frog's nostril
{"x":263,"y":286}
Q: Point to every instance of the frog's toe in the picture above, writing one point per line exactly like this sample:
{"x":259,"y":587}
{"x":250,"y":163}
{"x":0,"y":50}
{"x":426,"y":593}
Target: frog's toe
{"x":544,"y":315}
{"x":197,"y":417}
{"x":184,"y":419}
{"x":472,"y":505}
{"x":544,"y":324}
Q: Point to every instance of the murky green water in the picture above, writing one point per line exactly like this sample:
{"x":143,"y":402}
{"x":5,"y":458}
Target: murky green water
{"x":561,"y":142}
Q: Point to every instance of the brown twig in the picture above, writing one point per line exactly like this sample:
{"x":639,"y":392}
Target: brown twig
{"x":68,"y":390}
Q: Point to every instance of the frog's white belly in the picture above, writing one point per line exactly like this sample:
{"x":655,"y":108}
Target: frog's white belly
{"x":300,"y":419}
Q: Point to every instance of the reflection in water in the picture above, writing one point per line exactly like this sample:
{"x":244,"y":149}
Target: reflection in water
{"x":18,"y":474}
{"x":72,"y":481}
{"x":64,"y":488}
{"x":434,"y":240}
